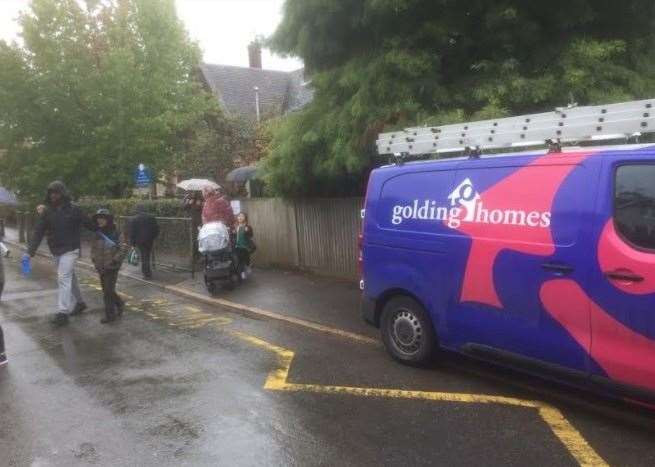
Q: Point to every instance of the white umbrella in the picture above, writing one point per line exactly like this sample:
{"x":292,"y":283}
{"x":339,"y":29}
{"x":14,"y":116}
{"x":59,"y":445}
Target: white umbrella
{"x":197,"y":184}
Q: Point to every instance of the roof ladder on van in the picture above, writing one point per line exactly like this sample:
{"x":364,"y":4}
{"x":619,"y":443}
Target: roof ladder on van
{"x":564,"y":125}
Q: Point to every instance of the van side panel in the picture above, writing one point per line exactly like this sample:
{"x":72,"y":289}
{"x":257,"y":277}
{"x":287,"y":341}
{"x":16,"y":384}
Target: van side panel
{"x":499,"y":304}
{"x":530,"y":279}
{"x":406,"y":246}
{"x":622,"y":312}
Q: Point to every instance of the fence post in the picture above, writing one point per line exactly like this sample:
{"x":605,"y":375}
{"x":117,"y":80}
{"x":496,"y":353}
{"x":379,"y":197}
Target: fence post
{"x":298,"y":240}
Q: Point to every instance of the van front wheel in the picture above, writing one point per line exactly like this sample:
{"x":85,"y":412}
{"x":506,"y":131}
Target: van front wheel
{"x":407,"y":332}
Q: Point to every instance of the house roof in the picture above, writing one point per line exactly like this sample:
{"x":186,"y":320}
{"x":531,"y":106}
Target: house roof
{"x":279,"y":91}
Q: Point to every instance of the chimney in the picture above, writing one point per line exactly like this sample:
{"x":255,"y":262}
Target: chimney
{"x":255,"y":54}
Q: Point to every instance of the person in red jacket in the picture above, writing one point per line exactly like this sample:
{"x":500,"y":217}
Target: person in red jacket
{"x":217,"y":208}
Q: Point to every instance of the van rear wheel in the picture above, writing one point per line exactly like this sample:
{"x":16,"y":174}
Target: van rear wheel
{"x":407,"y":332}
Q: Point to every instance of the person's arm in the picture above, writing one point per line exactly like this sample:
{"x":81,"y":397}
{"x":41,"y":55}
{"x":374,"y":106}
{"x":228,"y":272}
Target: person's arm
{"x":37,"y":236}
{"x":249,"y":232}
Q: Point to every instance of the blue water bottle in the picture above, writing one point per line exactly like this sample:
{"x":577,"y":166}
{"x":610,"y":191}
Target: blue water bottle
{"x":26,"y":265}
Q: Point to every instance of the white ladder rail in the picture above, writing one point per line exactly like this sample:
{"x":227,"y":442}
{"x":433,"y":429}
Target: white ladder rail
{"x":563,"y":125}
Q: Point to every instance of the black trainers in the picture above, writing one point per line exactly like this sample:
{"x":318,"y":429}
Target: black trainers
{"x":79,"y":309}
{"x":3,"y":359}
{"x":60,"y":319}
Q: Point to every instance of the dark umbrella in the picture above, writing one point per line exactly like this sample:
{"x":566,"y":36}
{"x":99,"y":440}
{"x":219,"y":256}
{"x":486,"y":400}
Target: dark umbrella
{"x":7,"y":197}
{"x":242,"y":174}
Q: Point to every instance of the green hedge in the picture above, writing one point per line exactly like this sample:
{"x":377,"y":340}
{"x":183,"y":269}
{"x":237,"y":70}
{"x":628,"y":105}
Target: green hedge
{"x":126,"y":207}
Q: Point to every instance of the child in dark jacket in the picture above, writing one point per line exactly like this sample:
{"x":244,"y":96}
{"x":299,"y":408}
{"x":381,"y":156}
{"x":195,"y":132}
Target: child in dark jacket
{"x":245,"y":245}
{"x":107,"y":253}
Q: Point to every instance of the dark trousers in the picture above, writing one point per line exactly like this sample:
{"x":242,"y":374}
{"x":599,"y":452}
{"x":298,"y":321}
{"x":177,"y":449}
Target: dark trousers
{"x":145,"y":256}
{"x":244,"y":257}
{"x":2,"y":342}
{"x":108,"y":280}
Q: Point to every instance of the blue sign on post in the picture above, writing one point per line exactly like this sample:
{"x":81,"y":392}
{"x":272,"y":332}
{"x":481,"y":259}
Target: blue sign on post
{"x":142,"y":177}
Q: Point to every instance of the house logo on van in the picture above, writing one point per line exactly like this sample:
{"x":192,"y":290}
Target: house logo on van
{"x":467,"y":206}
{"x":466,"y":197}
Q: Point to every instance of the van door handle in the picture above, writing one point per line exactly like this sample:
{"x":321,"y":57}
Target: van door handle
{"x":624,"y":276}
{"x":559,"y":269}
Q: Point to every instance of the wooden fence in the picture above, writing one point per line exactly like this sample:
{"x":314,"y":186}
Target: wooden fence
{"x":317,"y":235}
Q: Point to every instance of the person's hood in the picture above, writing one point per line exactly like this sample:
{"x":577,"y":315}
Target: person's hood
{"x":57,"y":187}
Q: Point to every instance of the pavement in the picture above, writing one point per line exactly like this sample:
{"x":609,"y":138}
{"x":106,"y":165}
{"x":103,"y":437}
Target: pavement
{"x":321,"y":300}
{"x":186,"y":380}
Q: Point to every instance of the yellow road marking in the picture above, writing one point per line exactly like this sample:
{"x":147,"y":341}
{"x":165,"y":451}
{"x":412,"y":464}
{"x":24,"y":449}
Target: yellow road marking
{"x":571,"y":438}
{"x":276,"y":316}
{"x":277,"y":379}
{"x":253,"y":311}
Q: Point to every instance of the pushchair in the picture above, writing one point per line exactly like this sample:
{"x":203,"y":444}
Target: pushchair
{"x":221,"y":262}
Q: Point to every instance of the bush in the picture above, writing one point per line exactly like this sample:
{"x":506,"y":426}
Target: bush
{"x":127,"y":207}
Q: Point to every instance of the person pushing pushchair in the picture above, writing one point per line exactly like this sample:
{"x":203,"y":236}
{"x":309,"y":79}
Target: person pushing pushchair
{"x":216,"y":241}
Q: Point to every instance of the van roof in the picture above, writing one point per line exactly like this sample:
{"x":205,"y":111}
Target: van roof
{"x":611,"y":149}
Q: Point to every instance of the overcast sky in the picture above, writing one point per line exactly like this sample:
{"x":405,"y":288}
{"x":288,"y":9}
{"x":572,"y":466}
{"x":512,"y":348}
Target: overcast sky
{"x":223,"y":28}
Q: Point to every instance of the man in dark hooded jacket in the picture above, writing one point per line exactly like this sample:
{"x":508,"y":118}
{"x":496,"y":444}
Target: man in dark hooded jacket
{"x":62,"y":223}
{"x":144,"y":230}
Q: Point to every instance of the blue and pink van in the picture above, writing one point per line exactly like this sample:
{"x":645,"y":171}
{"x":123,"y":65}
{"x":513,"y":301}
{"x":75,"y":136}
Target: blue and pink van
{"x":542,"y":261}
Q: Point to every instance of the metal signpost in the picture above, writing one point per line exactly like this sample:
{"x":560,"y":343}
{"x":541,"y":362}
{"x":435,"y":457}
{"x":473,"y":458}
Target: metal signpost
{"x":143,"y":179}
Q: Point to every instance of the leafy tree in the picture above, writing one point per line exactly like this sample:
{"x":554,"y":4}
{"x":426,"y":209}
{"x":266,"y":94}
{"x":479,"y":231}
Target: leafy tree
{"x":383,"y":64}
{"x":96,"y":88}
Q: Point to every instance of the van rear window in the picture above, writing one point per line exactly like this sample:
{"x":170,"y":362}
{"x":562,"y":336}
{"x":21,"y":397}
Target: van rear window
{"x":634,"y":204}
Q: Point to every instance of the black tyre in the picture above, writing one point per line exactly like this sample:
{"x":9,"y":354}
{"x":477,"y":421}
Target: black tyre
{"x":407,"y":332}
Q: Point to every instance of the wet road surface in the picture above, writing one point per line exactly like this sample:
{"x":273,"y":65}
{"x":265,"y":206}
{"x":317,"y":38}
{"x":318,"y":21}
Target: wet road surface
{"x":177,"y":382}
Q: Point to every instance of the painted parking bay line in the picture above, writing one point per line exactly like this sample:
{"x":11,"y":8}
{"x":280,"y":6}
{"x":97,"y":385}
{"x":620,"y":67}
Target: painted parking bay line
{"x":571,"y":438}
{"x":272,"y":315}
{"x":277,"y":379}
{"x":179,"y":291}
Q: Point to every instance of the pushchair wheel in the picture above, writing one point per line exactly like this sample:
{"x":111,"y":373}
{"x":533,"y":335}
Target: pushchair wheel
{"x":212,"y":288}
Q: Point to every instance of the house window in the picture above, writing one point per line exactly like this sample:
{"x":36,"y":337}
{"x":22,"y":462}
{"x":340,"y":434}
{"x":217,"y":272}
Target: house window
{"x":634,"y":204}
